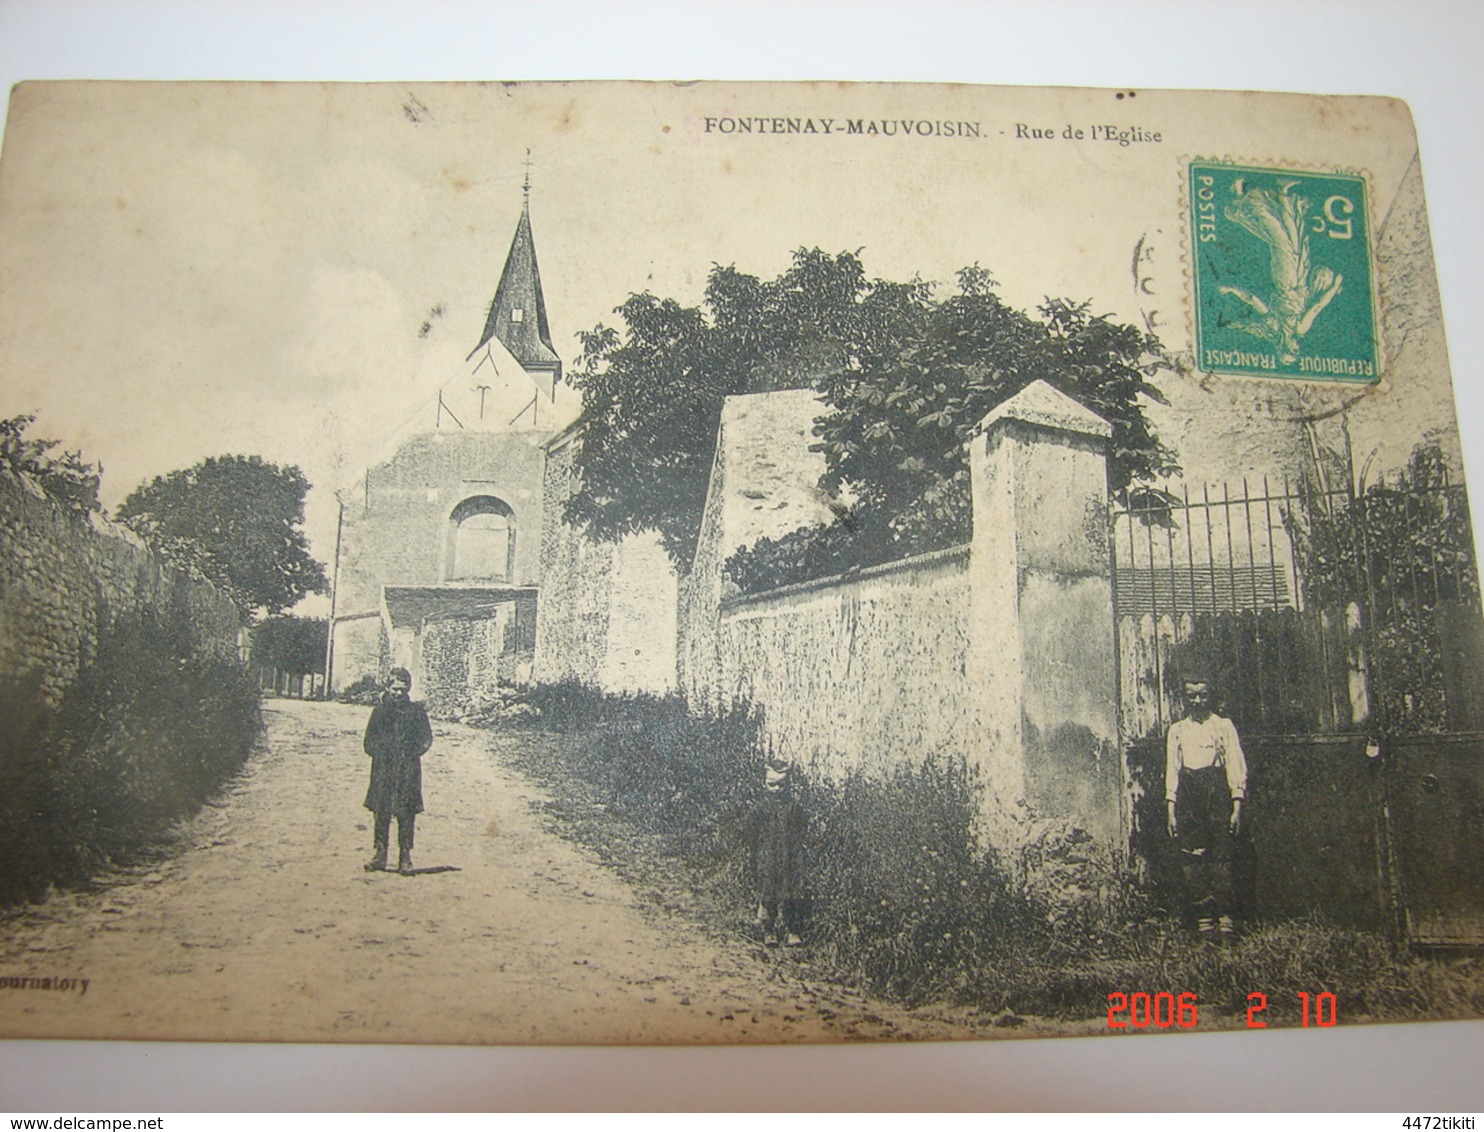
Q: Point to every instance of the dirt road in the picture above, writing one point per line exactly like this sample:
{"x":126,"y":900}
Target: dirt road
{"x":263,"y":925}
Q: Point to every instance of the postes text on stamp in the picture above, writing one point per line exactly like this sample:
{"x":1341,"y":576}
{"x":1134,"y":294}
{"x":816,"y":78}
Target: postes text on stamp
{"x":1283,"y":274}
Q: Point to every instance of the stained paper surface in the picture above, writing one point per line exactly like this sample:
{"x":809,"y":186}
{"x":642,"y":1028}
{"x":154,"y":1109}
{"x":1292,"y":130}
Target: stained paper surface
{"x":901,"y":547}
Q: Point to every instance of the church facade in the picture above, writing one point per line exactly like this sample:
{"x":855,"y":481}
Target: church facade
{"x":438,"y":559}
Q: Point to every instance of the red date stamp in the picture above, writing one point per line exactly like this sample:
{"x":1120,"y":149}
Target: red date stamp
{"x":1164,"y":1011}
{"x":1140,"y":1011}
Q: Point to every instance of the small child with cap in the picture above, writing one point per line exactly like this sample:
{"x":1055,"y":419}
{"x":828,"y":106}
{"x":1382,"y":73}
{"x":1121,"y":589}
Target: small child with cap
{"x":778,"y":838}
{"x":398,"y":735}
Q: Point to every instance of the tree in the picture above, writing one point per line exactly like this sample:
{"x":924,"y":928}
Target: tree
{"x":68,"y":478}
{"x":291,"y":643}
{"x":652,"y":397}
{"x":906,"y":377}
{"x":898,"y":426}
{"x":1402,"y":552}
{"x":236,"y":521}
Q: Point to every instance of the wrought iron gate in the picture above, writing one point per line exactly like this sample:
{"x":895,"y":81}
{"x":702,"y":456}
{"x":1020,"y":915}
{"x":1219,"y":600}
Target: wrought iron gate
{"x":1343,"y":631}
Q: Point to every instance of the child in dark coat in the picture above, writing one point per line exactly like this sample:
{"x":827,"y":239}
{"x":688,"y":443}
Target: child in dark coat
{"x":778,"y":842}
{"x":397,"y":736}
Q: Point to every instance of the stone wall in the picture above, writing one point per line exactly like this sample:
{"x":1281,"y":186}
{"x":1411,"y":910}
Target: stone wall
{"x":608,"y":610}
{"x":999,"y":653}
{"x":465,"y":655}
{"x":764,"y":484}
{"x":1042,"y":609}
{"x":865,"y":672}
{"x":64,"y":578}
{"x":362,"y":649}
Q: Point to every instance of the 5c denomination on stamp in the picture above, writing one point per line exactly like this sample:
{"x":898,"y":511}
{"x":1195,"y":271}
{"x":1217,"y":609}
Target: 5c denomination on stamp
{"x":1283,"y":273}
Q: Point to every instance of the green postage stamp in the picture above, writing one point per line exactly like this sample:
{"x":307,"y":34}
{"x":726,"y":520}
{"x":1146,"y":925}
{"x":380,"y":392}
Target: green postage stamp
{"x":1284,"y":279}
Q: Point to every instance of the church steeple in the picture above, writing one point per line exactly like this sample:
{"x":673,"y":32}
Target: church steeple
{"x":517,"y":316}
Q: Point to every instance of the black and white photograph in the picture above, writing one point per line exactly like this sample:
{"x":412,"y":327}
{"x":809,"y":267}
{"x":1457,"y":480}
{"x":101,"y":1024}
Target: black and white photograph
{"x":538,"y":563}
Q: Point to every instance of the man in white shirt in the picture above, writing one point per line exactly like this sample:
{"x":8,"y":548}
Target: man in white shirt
{"x":1205,"y":789}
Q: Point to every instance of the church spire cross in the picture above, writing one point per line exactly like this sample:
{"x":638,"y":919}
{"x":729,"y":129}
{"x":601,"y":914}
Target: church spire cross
{"x":526,"y":187}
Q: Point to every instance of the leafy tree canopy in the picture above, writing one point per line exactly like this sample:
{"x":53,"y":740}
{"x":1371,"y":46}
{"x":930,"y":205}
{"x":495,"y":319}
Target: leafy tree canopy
{"x":235,"y":520}
{"x":1405,"y":539}
{"x":68,"y":478}
{"x":1401,"y":551}
{"x":897,"y":427}
{"x":905,"y":375}
{"x":291,"y":643}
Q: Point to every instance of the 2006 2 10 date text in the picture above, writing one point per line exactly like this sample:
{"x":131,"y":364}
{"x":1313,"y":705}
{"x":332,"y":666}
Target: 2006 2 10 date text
{"x":1164,"y":1011}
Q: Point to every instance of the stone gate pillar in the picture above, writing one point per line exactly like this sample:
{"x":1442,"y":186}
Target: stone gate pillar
{"x":1042,"y":657}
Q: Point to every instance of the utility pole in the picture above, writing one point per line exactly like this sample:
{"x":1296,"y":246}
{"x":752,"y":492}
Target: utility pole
{"x":334,"y":592}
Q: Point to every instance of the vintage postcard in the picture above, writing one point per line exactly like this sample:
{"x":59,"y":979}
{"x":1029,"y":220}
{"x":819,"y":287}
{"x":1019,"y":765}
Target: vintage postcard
{"x":697,"y":563}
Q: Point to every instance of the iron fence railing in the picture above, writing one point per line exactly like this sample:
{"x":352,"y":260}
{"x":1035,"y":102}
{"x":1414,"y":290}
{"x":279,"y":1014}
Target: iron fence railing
{"x":1315,"y":612}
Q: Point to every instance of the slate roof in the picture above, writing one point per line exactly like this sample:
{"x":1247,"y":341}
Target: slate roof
{"x":527,"y":337}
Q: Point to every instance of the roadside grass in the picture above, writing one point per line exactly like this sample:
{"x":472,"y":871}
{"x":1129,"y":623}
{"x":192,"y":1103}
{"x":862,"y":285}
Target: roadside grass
{"x":149,"y":729}
{"x":903,"y":904}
